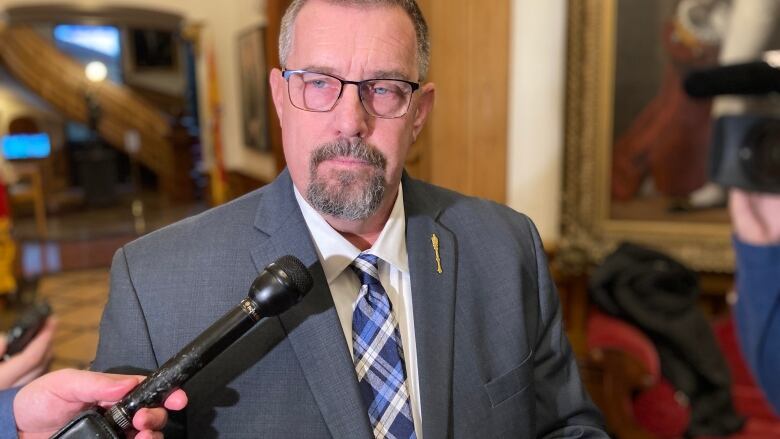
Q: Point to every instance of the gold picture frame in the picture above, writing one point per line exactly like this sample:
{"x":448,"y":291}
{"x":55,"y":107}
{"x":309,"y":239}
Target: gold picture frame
{"x":590,"y":229}
{"x":253,"y":78}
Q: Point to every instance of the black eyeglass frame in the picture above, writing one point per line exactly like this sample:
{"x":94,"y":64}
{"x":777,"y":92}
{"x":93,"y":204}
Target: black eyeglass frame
{"x":286,"y":74}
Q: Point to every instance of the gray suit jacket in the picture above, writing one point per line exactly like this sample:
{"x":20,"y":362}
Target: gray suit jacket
{"x":493,"y":357}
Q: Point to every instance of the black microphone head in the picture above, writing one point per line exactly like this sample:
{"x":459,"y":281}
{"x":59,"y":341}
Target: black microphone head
{"x":281,"y":285}
{"x":297,"y":272}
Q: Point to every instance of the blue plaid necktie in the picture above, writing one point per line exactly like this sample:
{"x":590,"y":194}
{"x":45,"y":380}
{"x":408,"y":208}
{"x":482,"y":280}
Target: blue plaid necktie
{"x":379,"y":359}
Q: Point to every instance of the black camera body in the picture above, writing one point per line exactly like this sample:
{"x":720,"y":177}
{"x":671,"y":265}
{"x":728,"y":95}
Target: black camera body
{"x":745,"y":149}
{"x":745,"y":152}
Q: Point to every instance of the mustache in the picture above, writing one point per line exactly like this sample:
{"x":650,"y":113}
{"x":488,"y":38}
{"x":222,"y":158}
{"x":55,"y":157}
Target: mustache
{"x":357,"y":149}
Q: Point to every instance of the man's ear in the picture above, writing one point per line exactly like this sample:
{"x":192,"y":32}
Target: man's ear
{"x":423,"y":107}
{"x":278,"y":88}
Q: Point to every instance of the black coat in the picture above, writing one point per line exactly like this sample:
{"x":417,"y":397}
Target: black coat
{"x":658,"y":295}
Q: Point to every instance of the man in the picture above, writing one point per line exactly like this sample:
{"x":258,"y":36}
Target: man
{"x":432,"y":314}
{"x":755,"y":218}
{"x":40,"y":408}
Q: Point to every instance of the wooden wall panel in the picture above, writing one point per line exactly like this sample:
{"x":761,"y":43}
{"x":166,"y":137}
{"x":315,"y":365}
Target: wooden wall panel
{"x":464,"y":146}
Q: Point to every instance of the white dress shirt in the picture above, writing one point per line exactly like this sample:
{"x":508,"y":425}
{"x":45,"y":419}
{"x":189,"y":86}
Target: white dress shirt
{"x":336,"y":254}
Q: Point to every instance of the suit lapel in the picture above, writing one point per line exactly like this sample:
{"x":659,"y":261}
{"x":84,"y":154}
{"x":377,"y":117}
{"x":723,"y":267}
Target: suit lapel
{"x":433,"y":299}
{"x":312,"y":326}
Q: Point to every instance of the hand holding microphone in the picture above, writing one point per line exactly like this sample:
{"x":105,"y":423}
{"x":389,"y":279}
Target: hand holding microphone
{"x":281,"y":285}
{"x":43,"y":406}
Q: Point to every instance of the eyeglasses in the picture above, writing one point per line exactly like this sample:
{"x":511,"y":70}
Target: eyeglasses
{"x":319,"y":92}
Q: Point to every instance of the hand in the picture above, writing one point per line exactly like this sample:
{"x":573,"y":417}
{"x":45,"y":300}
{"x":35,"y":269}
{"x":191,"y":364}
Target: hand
{"x":46,"y":404}
{"x":32,"y":362}
{"x":755,"y":216}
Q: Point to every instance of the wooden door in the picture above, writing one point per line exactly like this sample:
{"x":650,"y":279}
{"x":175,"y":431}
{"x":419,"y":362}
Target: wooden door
{"x":464,"y":145}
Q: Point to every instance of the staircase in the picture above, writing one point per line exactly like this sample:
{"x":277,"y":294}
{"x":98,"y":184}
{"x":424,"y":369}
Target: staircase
{"x":60,"y":80}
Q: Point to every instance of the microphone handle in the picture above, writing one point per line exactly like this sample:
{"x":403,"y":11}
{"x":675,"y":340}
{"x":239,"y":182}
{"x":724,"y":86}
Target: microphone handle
{"x":153,"y":391}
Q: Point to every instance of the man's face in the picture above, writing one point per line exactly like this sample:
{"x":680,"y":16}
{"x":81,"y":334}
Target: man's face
{"x":345,"y":161}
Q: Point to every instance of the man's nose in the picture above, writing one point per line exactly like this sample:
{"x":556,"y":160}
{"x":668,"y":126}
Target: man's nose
{"x":351,"y":118}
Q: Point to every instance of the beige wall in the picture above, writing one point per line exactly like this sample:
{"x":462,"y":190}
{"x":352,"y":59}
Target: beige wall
{"x":14,"y":104}
{"x":535,"y":159}
{"x":224,"y":21}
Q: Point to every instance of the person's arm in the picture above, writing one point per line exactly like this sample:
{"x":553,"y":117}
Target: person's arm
{"x":755,"y":217}
{"x":7,"y":423}
{"x":49,"y":402}
{"x":29,"y":364}
{"x":756,"y":223}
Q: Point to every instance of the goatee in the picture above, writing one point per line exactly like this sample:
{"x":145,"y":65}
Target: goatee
{"x":347,"y":194}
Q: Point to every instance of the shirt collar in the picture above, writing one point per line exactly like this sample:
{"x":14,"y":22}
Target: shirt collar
{"x":336,"y":253}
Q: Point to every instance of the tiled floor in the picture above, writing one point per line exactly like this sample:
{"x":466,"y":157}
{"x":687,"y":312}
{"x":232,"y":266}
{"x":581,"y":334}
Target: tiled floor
{"x":77,"y":299}
{"x":72,"y":268}
{"x":120,"y":218}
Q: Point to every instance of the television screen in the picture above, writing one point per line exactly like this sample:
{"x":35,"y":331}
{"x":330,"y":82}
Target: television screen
{"x":26,"y":146}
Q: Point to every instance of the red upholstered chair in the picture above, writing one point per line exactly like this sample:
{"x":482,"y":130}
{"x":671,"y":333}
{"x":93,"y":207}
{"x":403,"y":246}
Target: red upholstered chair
{"x":639,"y":403}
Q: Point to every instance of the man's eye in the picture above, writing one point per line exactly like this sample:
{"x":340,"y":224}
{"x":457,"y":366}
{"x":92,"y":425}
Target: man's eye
{"x":318,"y":83}
{"x":386,"y":89}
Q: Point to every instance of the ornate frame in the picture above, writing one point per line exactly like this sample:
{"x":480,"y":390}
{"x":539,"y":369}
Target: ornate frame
{"x":253,"y":80}
{"x":588,"y":230}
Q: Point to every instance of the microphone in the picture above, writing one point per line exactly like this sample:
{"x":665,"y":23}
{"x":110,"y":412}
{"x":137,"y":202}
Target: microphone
{"x":753,"y":78}
{"x":282,"y":284}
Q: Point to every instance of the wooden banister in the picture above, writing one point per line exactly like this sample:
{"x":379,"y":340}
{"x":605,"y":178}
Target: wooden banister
{"x":60,"y":81}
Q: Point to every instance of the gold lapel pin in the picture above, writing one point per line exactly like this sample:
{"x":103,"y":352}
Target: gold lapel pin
{"x":435,"y":244}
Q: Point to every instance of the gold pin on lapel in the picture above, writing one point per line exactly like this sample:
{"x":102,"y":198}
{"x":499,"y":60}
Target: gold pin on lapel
{"x":435,"y":244}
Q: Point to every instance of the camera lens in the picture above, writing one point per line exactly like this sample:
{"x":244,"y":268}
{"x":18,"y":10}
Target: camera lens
{"x":759,"y":155}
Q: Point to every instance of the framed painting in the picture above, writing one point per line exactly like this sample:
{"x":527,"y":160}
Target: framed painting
{"x":636,"y":149}
{"x":254,"y":89}
{"x":153,"y":50}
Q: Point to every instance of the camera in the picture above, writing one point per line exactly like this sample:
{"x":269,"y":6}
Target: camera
{"x":745,"y":153}
{"x":745,"y":150}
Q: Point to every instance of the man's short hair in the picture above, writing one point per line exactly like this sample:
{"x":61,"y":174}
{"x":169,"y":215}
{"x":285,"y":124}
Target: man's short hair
{"x":409,"y":6}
